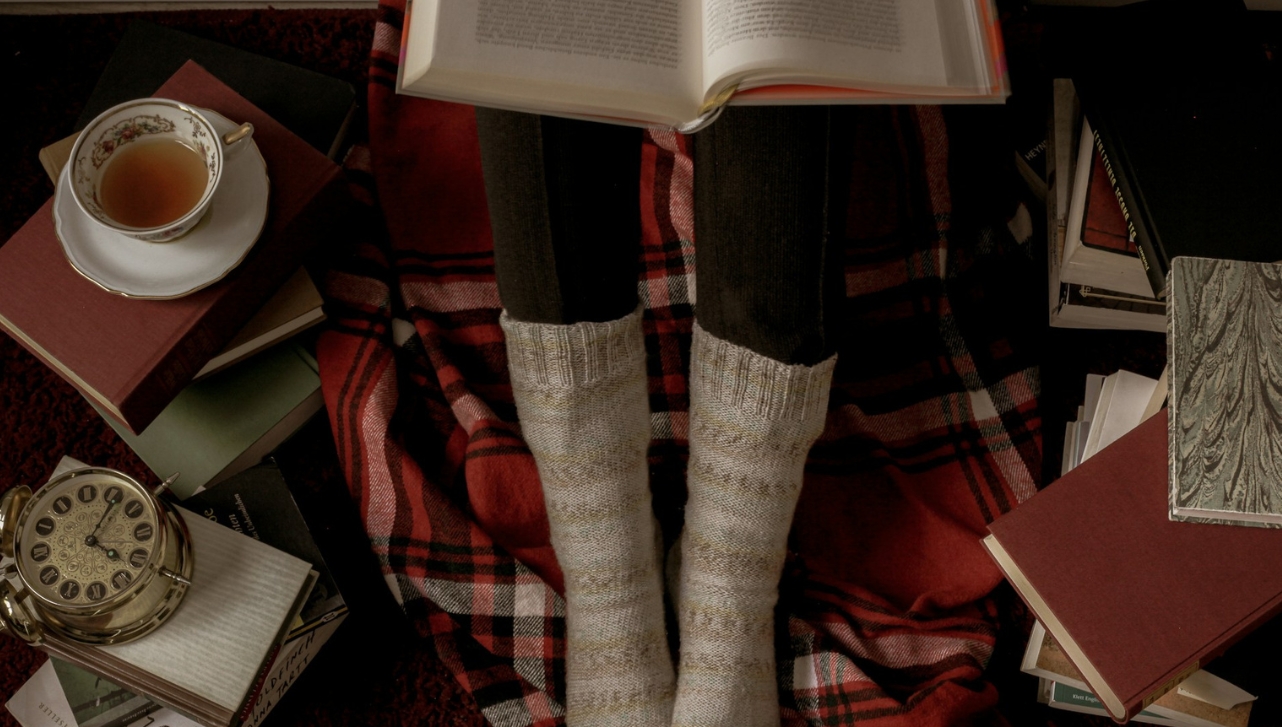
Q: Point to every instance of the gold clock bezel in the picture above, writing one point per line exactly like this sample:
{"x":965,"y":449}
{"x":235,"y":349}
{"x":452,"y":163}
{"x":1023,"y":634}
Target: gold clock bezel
{"x":144,"y":604}
{"x":145,"y":574}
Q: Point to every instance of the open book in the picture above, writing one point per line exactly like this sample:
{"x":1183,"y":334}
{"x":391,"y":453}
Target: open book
{"x":675,"y":62}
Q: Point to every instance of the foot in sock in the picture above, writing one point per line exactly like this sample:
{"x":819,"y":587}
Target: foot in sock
{"x":752,"y":422}
{"x":581,"y":395}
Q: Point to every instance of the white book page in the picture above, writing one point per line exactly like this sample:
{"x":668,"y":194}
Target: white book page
{"x":583,"y":56}
{"x":242,"y":592}
{"x":1121,"y":408}
{"x":884,"y":44}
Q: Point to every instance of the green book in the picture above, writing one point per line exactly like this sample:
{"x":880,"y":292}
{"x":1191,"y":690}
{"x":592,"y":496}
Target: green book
{"x":316,"y":107}
{"x":96,"y":702}
{"x":226,"y":423}
{"x":1079,"y":700}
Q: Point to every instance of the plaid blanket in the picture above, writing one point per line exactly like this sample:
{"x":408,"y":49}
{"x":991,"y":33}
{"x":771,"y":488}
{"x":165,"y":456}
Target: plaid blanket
{"x":933,"y":430}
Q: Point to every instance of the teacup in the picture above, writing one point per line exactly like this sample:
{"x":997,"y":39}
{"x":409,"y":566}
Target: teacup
{"x":123,"y":132}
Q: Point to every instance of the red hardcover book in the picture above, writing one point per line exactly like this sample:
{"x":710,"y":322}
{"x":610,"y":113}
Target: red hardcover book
{"x":1138,"y":602}
{"x":134,"y":356}
{"x":1103,"y":225}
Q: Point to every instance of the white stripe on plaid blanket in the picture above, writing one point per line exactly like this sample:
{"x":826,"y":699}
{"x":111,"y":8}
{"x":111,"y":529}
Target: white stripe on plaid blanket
{"x":452,"y":296}
{"x":680,"y":194}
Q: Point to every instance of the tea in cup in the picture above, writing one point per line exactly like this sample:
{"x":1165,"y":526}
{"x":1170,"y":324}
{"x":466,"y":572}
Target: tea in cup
{"x":149,"y":168}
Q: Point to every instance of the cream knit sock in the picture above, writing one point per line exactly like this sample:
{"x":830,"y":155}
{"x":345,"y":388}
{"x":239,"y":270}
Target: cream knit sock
{"x":582,"y":399}
{"x":752,"y":422}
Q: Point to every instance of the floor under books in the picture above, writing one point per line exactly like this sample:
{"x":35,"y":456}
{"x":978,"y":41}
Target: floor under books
{"x":374,"y":671}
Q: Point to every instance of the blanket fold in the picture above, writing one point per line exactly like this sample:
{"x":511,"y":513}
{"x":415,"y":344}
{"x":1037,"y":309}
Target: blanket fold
{"x":932,"y":426}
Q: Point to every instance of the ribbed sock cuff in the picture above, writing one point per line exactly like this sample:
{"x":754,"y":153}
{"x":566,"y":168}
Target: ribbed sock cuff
{"x":548,"y":354}
{"x":750,"y":382}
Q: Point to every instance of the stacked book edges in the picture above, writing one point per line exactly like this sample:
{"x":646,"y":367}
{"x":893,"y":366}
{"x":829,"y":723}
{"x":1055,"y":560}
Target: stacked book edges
{"x":236,"y":645}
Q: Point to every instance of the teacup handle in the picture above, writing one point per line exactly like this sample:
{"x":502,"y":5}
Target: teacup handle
{"x":233,"y":140}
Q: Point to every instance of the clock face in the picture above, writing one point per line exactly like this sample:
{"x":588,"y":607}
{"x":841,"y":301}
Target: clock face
{"x":86,"y":539}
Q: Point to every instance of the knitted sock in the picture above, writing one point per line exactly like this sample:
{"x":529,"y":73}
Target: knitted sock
{"x":582,"y":399}
{"x":752,"y":422}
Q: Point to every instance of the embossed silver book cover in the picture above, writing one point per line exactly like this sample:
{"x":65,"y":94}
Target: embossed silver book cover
{"x":1224,"y":347}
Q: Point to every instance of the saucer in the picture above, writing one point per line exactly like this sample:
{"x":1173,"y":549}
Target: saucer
{"x":159,"y":270}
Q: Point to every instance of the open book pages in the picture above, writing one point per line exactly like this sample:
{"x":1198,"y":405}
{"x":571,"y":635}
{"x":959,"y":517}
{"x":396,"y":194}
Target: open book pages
{"x":674,"y":62}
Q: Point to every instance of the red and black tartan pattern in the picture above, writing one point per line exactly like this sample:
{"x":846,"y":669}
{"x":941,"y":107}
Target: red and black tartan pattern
{"x":932,"y":430}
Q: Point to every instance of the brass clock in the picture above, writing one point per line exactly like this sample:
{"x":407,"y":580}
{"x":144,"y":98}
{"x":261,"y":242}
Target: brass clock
{"x":97,"y":557}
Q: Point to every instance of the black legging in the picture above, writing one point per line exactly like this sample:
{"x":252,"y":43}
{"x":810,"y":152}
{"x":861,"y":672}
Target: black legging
{"x":770,"y":192}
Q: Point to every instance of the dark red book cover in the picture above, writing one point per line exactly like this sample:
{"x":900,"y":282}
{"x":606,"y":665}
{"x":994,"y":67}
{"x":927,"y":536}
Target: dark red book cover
{"x":134,"y":356}
{"x":1103,"y":225}
{"x":1143,"y":601}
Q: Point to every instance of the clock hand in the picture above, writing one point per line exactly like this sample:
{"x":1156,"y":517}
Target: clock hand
{"x":112,"y":553}
{"x":111,"y":505}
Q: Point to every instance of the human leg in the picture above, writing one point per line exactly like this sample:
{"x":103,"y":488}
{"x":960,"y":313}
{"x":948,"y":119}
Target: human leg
{"x":564,"y":209}
{"x":769,"y":186}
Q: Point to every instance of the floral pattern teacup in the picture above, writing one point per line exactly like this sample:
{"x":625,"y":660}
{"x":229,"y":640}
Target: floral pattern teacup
{"x":151,"y":118}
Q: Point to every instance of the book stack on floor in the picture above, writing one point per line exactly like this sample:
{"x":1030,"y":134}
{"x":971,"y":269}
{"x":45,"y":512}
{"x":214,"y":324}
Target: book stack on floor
{"x":1153,"y":560}
{"x":136,"y":360}
{"x":1162,"y":144}
{"x":1115,"y":405}
{"x":205,"y":384}
{"x":1094,"y":275}
{"x":1157,"y":552}
{"x":257,"y":504}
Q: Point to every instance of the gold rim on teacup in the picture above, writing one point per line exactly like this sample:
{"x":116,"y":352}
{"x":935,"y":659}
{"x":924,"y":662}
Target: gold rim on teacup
{"x":126,"y":123}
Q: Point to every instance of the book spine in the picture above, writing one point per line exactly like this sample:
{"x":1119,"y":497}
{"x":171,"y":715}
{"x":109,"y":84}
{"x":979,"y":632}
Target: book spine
{"x":1137,"y":227}
{"x":1261,"y":616}
{"x":174,"y":371}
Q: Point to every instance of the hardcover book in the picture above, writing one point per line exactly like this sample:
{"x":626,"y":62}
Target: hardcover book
{"x":225,"y":424}
{"x":256,"y":503}
{"x":675,"y":62}
{"x":1185,"y":112}
{"x":1098,"y":250}
{"x":132,"y":357}
{"x":1225,"y":354}
{"x":210,"y":659}
{"x":316,"y":107}
{"x":1137,"y":602}
{"x":1074,"y":305}
{"x":294,"y":308}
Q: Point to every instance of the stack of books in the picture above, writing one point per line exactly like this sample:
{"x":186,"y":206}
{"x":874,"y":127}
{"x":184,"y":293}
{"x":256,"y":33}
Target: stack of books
{"x":1094,"y":275}
{"x":1162,"y":143}
{"x":256,"y":504}
{"x":206,"y":385}
{"x":1113,"y":406}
